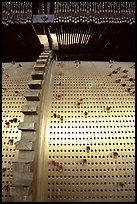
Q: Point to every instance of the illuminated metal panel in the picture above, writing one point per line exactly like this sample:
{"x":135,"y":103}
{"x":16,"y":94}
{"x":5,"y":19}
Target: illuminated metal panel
{"x":44,"y":40}
{"x":14,"y":85}
{"x":87,"y":134}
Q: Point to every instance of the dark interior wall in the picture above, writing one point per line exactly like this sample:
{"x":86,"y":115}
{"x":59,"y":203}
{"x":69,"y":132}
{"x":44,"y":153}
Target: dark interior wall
{"x":117,"y":41}
{"x":107,"y":41}
{"x":20,"y":43}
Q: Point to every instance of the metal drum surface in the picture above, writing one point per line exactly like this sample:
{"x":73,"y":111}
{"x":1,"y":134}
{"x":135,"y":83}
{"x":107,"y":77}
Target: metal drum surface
{"x":86,"y":140}
{"x":87,"y":133}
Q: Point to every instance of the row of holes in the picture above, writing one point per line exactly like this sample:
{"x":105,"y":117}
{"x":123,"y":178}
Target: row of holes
{"x":91,"y":84}
{"x":11,"y":89}
{"x":11,"y":112}
{"x":90,"y":150}
{"x":9,"y":137}
{"x":86,"y":107}
{"x":14,"y":86}
{"x":7,"y":143}
{"x":71,"y":102}
{"x":95,"y":138}
{"x":98,"y":163}
{"x":95,"y":79}
{"x":85,"y":190}
{"x":95,"y":98}
{"x":11,"y":106}
{"x":92,"y":126}
{"x":6,"y":196}
{"x":94,"y":116}
{"x":13,"y":98}
{"x":87,"y":78}
{"x":14,"y":94}
{"x":8,"y":175}
{"x":99,"y":156}
{"x":67,"y":144}
{"x":92,"y":89}
{"x":8,"y":155}
{"x":9,"y":95}
{"x":11,"y":116}
{"x":89,"y":190}
{"x":19,"y":82}
{"x":57,"y":183}
{"x":10,"y":131}
{"x":8,"y":148}
{"x":10,"y":102}
{"x":86,"y":82}
{"x":99,"y":111}
{"x":89,"y":91}
{"x":101,"y":132}
{"x":88,"y":171}
{"x":98,"y":121}
{"x":76,"y":86}
{"x":93,"y":197}
{"x":9,"y":162}
{"x":7,"y":182}
{"x":11,"y":126}
{"x":9,"y":169}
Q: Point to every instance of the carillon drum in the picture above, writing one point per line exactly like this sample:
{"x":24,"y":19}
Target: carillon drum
{"x":68,"y":102}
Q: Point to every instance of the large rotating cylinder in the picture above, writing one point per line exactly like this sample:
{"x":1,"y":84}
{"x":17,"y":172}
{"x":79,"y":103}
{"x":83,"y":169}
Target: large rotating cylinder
{"x":78,"y":134}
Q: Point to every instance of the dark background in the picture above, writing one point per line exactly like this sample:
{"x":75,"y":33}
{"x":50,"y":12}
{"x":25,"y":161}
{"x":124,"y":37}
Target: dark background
{"x":20,"y":43}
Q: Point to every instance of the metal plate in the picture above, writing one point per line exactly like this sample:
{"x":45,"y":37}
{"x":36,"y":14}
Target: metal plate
{"x":87,"y":157}
{"x":14,"y":85}
{"x":38,"y":18}
{"x":44,"y":40}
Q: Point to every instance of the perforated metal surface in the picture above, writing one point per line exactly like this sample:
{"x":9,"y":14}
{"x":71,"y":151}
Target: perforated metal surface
{"x":14,"y":85}
{"x":87,"y":137}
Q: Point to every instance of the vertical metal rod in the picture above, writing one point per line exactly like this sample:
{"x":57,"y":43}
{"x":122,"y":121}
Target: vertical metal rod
{"x":71,"y":36}
{"x":87,"y":34}
{"x":58,"y":38}
{"x":83,"y":36}
{"x":61,"y":34}
{"x":66,"y":39}
{"x":80,"y":37}
{"x":74,"y":35}
{"x":65,"y":36}
{"x":77,"y":36}
{"x":48,"y":7}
